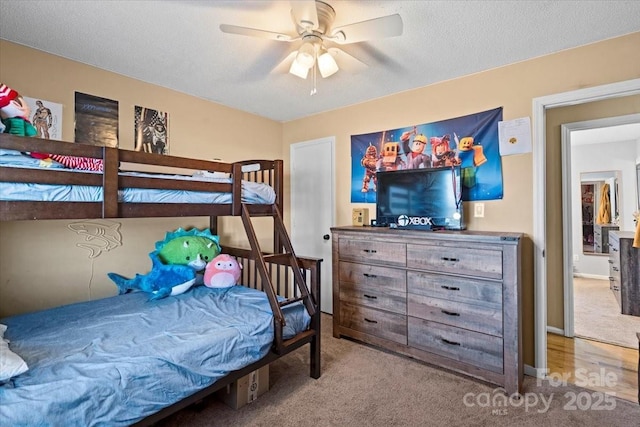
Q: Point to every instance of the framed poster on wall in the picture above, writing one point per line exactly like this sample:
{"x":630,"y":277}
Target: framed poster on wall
{"x":151,"y":130}
{"x":96,"y":120}
{"x":46,"y":117}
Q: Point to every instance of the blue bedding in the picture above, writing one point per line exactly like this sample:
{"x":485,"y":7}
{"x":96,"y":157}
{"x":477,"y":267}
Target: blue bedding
{"x":252,"y":192}
{"x":117,"y":360}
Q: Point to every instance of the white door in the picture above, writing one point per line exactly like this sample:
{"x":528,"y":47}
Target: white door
{"x":313,"y":207}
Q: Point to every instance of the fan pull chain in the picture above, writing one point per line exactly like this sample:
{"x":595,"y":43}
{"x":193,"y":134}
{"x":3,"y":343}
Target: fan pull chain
{"x":314,"y":90}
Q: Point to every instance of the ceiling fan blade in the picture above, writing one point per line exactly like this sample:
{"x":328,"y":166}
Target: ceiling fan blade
{"x":253,"y":32}
{"x":347,"y":62}
{"x":305,"y":14}
{"x":377,"y":28}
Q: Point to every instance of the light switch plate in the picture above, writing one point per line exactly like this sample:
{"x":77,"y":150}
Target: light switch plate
{"x":478,"y":210}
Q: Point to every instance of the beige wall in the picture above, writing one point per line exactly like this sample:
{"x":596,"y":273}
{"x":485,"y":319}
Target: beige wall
{"x":41,"y":265}
{"x":203,"y":129}
{"x":512,"y":87}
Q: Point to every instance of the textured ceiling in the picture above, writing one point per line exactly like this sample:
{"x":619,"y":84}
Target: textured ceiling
{"x":178,"y":44}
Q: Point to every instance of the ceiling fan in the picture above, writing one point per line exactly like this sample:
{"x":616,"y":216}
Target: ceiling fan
{"x":313,"y":21}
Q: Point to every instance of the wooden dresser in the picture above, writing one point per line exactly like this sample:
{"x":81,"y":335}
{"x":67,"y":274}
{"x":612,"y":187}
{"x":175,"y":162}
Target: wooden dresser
{"x":601,"y":237}
{"x":624,"y":271}
{"x":449,"y":298}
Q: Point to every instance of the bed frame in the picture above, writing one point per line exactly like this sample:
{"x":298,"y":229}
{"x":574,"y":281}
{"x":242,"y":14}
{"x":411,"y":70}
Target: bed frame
{"x":283,"y":276}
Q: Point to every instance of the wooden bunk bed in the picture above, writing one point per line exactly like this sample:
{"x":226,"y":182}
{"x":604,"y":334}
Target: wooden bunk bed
{"x":286,"y":279}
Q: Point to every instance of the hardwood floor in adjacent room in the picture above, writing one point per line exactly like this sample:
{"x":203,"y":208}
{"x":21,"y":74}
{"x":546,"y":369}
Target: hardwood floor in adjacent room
{"x":599,"y":366}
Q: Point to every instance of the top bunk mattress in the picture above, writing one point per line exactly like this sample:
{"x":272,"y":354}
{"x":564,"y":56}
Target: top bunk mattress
{"x":252,"y":192}
{"x":117,"y":360}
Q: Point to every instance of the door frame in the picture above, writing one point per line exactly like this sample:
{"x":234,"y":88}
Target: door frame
{"x":539,"y":107}
{"x":567,"y":217}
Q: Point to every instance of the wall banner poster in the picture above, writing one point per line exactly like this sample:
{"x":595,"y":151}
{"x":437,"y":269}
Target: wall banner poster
{"x":470,"y":141}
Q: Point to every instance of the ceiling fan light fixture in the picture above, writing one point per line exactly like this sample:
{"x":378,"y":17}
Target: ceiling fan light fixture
{"x":306,"y":56}
{"x":313,"y":20}
{"x":298,"y":70}
{"x":327,"y":64}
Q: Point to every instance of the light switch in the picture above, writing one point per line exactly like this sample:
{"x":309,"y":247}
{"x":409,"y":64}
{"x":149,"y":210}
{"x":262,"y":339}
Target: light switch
{"x":478,"y":210}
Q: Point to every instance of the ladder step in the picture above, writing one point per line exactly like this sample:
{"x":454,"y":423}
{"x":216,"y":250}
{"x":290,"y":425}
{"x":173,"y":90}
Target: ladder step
{"x":285,"y":258}
{"x":291,"y":301}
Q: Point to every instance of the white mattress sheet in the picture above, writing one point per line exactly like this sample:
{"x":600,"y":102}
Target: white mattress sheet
{"x":252,"y":192}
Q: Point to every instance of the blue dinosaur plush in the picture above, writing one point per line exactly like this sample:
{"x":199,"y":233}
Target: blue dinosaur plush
{"x":162,"y":281}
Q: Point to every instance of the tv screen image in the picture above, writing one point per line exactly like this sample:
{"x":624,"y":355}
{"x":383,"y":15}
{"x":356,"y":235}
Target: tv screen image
{"x":427,"y":199}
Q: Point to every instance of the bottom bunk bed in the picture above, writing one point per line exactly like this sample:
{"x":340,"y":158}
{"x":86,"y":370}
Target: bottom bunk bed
{"x":127,"y":359}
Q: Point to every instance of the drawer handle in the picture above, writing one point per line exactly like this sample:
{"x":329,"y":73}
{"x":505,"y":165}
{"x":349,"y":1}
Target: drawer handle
{"x":372,"y":276}
{"x":370,"y":251}
{"x":370,"y":296}
{"x":446,"y":341}
{"x":370,"y":321}
{"x":450,"y":288}
{"x":446,"y":258}
{"x":450,"y":313}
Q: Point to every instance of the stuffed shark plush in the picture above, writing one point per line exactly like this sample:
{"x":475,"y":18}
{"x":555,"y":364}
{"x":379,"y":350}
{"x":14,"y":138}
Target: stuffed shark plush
{"x":162,"y":281}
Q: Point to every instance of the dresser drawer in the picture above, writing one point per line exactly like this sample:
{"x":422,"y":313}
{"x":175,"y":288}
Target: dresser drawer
{"x":373,"y":251}
{"x":474,"y":348}
{"x":373,"y":275}
{"x":464,"y":261}
{"x":382,"y":324}
{"x":381,"y":297}
{"x":454,"y":288}
{"x":615,"y":286}
{"x":468,"y":316}
{"x":614,"y":272}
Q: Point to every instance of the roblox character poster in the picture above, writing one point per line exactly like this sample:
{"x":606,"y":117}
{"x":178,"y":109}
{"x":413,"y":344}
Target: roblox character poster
{"x":469,"y":141}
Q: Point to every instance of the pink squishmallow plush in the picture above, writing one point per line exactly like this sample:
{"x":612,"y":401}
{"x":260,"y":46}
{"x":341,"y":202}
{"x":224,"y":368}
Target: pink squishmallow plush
{"x":222,"y":272}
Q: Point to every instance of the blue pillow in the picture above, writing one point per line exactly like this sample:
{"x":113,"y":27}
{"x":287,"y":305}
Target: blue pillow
{"x":17,"y":159}
{"x":6,"y":152}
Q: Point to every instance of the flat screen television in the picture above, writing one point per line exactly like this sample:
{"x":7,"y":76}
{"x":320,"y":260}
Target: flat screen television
{"x":425,"y":199}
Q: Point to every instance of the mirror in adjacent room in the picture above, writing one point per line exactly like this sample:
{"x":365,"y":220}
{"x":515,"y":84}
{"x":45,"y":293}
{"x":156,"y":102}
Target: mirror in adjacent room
{"x":595,"y":153}
{"x":600,"y":202}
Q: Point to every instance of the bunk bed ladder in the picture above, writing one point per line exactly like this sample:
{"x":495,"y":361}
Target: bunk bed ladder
{"x":286,"y":257}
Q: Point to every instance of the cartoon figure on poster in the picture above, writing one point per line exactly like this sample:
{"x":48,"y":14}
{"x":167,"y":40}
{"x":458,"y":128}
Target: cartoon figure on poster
{"x":471,"y":158}
{"x":414,"y":150}
{"x":442,"y":154}
{"x":390,"y":160}
{"x":368,"y":162}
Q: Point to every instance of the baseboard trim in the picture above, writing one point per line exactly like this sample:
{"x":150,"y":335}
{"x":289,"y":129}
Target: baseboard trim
{"x":534,"y":372}
{"x":590,"y":276}
{"x":554,"y":330}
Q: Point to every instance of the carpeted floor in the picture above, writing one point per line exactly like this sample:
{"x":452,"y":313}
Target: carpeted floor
{"x":597,"y":314}
{"x":363,"y":386}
